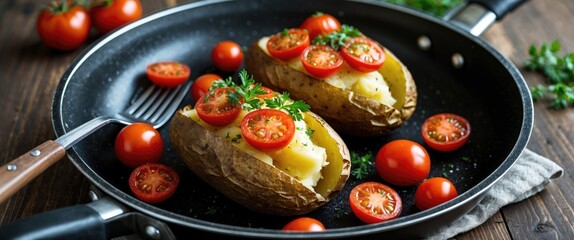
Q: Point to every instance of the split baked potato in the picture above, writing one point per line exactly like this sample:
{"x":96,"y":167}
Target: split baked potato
{"x":261,"y":180}
{"x":357,"y":109}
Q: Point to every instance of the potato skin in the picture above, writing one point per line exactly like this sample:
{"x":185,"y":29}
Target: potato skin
{"x":344,"y":110}
{"x":245,"y":179}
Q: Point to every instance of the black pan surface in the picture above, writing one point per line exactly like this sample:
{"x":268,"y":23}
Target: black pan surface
{"x":488,"y":90}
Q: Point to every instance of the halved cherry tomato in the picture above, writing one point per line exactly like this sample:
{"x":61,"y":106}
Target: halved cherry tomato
{"x":168,"y":74}
{"x":202,"y":84}
{"x":306,"y":224}
{"x":403,"y":162}
{"x":63,"y":25}
{"x":321,"y":60}
{"x":363,"y":54}
{"x":434,"y":191}
{"x":108,"y":15}
{"x":216,"y":109}
{"x":445,"y":132}
{"x":227,"y":56}
{"x":137,"y":144}
{"x":153,"y":182}
{"x":268,"y":129}
{"x":288,"y":44}
{"x":321,"y":23}
{"x":268,"y":93}
{"x":374,"y":202}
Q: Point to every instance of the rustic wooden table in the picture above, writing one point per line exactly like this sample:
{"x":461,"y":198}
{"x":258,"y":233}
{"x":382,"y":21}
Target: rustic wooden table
{"x":29,"y":73}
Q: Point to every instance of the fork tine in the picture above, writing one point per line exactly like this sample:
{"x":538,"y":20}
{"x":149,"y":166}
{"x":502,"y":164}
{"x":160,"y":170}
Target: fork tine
{"x":155,"y":104}
{"x":166,"y":104}
{"x":141,"y":99}
{"x":148,"y":102}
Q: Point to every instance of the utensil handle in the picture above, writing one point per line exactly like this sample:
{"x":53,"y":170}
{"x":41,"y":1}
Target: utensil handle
{"x":499,"y":7}
{"x":20,"y":171}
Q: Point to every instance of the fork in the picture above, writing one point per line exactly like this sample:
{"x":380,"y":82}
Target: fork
{"x":154,"y":106}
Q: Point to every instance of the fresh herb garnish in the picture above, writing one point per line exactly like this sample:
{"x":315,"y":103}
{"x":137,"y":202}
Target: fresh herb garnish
{"x":236,"y":138}
{"x":309,"y":133}
{"x":338,"y":39}
{"x":283,"y":102}
{"x":360,"y":164}
{"x":559,"y":72}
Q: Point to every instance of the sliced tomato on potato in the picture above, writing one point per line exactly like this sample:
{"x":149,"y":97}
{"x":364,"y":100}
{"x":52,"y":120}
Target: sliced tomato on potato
{"x":445,"y":132}
{"x":217,"y":109}
{"x":268,"y":129}
{"x":321,"y":61}
{"x":168,"y":74}
{"x":363,"y":54}
{"x":374,"y":202}
{"x":288,"y":44}
{"x":153,"y":182}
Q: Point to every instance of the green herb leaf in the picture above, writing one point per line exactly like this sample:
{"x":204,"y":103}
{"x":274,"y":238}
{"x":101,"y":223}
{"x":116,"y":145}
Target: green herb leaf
{"x":337,"y":39}
{"x":360,"y":164}
{"x":283,"y":102}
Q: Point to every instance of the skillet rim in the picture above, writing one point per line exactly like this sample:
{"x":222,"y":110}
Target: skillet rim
{"x":477,"y":191}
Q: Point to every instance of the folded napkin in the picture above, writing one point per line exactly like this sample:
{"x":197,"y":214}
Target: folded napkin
{"x":529,"y":175}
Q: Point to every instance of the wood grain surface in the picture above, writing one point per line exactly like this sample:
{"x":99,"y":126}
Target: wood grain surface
{"x":30,"y":72}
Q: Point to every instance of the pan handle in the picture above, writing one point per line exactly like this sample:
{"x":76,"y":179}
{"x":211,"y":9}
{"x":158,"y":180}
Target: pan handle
{"x":476,"y":16}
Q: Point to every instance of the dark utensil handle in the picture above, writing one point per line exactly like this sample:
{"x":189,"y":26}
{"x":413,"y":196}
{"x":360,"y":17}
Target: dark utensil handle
{"x":76,"y":222}
{"x":499,"y":7}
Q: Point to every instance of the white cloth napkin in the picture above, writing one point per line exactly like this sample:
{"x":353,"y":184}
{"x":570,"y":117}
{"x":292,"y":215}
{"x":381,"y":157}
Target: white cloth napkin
{"x":529,"y":175}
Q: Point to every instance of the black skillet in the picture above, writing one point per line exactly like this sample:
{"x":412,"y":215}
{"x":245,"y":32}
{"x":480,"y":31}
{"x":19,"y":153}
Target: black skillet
{"x":485,"y":88}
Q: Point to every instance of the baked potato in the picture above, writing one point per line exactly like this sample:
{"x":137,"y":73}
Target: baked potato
{"x":360,"y":108}
{"x":261,"y":180}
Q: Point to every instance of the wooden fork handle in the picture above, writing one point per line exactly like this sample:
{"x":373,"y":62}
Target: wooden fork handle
{"x":20,"y":171}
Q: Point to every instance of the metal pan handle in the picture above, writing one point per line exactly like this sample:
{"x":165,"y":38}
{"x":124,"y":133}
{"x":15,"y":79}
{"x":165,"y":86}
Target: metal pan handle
{"x":478,"y":15}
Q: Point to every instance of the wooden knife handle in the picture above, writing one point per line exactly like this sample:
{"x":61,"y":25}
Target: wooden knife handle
{"x":20,"y":171}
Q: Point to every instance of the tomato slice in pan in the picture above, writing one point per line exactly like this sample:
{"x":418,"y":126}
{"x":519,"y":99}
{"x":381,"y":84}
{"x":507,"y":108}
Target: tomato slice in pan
{"x":434,"y":191}
{"x":202,"y":84}
{"x":288,"y":44}
{"x":374,"y":202}
{"x":445,"y":132}
{"x":153,"y":182}
{"x":321,"y":60}
{"x":268,"y":129}
{"x":168,"y":74}
{"x":363,"y":54}
{"x":216,"y":109}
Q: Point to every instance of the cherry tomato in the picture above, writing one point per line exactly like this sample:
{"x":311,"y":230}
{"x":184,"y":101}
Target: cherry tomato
{"x":227,"y":56}
{"x":363,"y":54}
{"x":288,"y":44}
{"x":111,"y":14}
{"x":445,"y":132}
{"x":202,"y":84}
{"x":268,"y":129}
{"x":63,"y":26}
{"x":153,"y":182}
{"x":137,"y":144}
{"x":321,"y":23}
{"x":306,"y":224}
{"x":168,"y":74}
{"x":268,"y":93}
{"x":321,"y":61}
{"x":374,"y":202}
{"x":216,"y":109}
{"x":403,"y":162}
{"x":434,"y":191}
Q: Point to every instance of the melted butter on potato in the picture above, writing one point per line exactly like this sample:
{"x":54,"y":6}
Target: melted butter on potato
{"x":301,"y":159}
{"x":371,"y":85}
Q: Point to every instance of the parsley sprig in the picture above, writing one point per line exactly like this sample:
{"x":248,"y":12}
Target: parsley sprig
{"x":283,"y":102}
{"x":338,"y":39}
{"x":361,"y":164}
{"x":559,"y":71}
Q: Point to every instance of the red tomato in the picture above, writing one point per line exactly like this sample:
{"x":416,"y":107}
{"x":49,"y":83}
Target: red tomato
{"x":445,"y":132}
{"x":268,"y":93}
{"x":63,"y":26}
{"x":216,"y":109}
{"x":288,"y":44}
{"x":268,"y":129}
{"x":321,"y":23}
{"x":168,"y":74}
{"x":305,"y":224}
{"x":111,"y":14}
{"x":434,"y":191}
{"x":227,"y":56}
{"x":363,"y":54}
{"x":153,"y":182}
{"x":321,"y":61}
{"x":403,"y":162}
{"x":137,"y":144}
{"x":202,"y":84}
{"x":374,"y":202}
